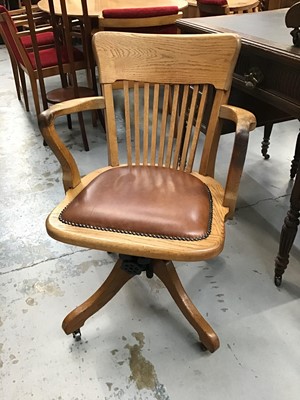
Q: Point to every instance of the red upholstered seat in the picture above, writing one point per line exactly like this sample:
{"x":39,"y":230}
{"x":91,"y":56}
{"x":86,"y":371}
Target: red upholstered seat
{"x":143,"y":12}
{"x":48,"y":57}
{"x":43,"y":39}
{"x":213,"y":2}
{"x":221,"y":7}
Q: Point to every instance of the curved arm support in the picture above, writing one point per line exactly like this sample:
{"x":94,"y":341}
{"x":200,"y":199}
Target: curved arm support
{"x":245,"y":122}
{"x":71,"y":176}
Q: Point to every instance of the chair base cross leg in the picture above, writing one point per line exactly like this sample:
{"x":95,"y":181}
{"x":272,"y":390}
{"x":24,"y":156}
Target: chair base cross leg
{"x":166,"y":272}
{"x":119,"y":275}
{"x":114,"y":282}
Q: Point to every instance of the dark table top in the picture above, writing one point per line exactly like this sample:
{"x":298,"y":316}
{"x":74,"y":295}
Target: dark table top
{"x":262,"y":29}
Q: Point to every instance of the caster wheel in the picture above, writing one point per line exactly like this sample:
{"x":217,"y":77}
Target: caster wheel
{"x":277,"y":280}
{"x":77,"y":335}
{"x":266,"y":156}
{"x":203,"y":347}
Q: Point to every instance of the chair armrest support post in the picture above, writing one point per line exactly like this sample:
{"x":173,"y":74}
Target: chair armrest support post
{"x":71,"y":176}
{"x":245,"y":122}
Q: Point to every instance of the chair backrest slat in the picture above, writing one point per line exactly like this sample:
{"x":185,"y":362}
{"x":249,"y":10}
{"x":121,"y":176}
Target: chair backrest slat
{"x":127,"y":122}
{"x":197,"y":127}
{"x":154,"y":127}
{"x":136,"y":114}
{"x":181,"y":125}
{"x":212,"y":136}
{"x":163,"y":128}
{"x":172,"y":125}
{"x":112,"y":141}
{"x":146,"y":125}
{"x":189,"y":127}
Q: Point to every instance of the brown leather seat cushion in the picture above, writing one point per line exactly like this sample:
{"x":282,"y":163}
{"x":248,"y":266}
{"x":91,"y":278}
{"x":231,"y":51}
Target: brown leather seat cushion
{"x":147,"y":201}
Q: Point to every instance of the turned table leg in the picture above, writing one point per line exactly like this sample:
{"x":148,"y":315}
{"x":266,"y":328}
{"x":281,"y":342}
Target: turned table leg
{"x":288,"y":232}
{"x":296,"y":159}
{"x":266,"y":141}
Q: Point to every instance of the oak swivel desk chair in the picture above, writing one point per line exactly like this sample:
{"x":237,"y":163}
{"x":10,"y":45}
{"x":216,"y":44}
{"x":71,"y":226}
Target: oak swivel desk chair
{"x":156,"y":206}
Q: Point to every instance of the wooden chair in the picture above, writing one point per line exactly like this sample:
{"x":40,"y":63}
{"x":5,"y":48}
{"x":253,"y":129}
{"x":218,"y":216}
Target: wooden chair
{"x":156,"y":206}
{"x":144,"y":20}
{"x":64,"y":34}
{"x":44,"y":37}
{"x":38,"y":63}
{"x":224,"y":7}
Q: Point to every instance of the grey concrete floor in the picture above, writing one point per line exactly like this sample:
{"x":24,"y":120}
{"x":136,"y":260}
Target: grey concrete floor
{"x":140,"y":346}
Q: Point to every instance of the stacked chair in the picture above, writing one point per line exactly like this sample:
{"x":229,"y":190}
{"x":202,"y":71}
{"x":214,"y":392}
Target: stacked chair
{"x":146,"y":19}
{"x":21,"y":48}
{"x":41,"y":51}
{"x":64,"y":37}
{"x":35,"y":61}
{"x":163,"y":202}
{"x":222,"y":7}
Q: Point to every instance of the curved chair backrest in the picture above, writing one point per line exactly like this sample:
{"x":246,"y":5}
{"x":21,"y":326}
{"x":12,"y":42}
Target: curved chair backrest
{"x":154,"y":83}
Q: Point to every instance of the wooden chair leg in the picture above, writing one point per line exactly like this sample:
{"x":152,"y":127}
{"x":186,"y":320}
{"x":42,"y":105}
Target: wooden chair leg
{"x":24,"y":88}
{"x":35,"y":94}
{"x":94,"y":118}
{"x":166,"y":272}
{"x":14,"y":67}
{"x":69,"y":121}
{"x":83,"y":132}
{"x":114,"y":282}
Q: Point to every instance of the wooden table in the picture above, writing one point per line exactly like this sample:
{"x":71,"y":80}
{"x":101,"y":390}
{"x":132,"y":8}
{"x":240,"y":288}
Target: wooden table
{"x":95,"y":7}
{"x":266,"y":48}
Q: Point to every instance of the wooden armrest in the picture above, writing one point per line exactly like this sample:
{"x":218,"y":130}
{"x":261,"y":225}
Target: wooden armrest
{"x":245,"y":122}
{"x":71,"y":176}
